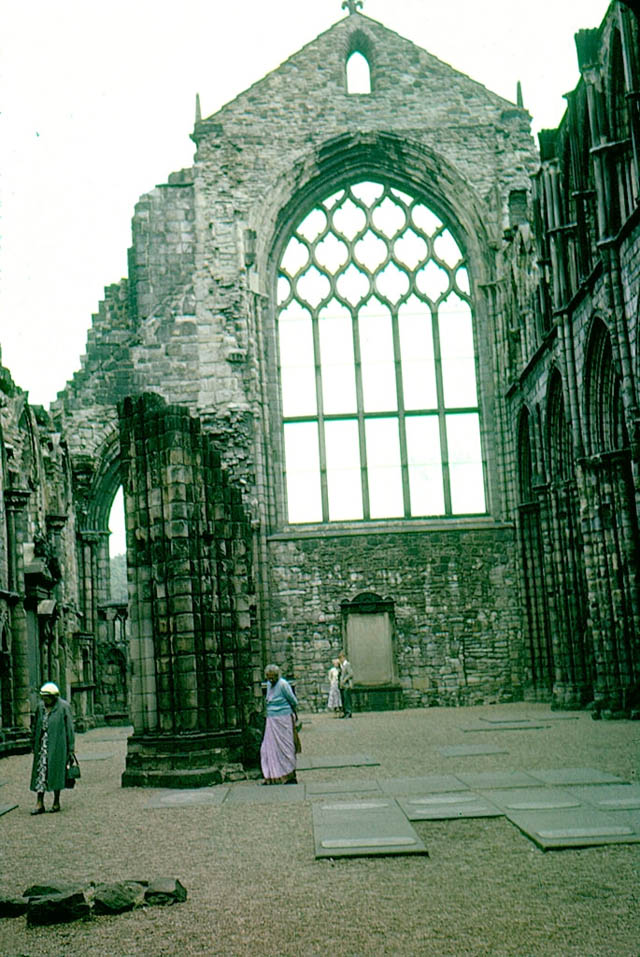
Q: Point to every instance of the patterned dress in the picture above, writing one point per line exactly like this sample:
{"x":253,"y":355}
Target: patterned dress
{"x":41,"y":773}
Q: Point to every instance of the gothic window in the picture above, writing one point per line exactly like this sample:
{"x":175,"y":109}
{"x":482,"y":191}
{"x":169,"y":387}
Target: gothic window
{"x":559,"y":436}
{"x":620,"y":133}
{"x":605,"y":414}
{"x":358,"y":73}
{"x":377,"y":362}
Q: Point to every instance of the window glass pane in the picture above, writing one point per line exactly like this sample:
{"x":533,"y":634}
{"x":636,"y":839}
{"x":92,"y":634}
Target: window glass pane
{"x":392,"y":283}
{"x":312,"y":225}
{"x":416,"y":348}
{"x":313,"y":286}
{"x":368,"y":193}
{"x":343,"y":470}
{"x":332,"y":253}
{"x":383,"y":464}
{"x":432,"y":281}
{"x":465,"y":463}
{"x":358,"y":74}
{"x":376,"y":353}
{"x":302,"y":471}
{"x":457,"y":352}
{"x":296,"y":256}
{"x":336,"y":350}
{"x":446,"y":249}
{"x":297,"y":369}
{"x":349,"y":219}
{"x":371,"y":251}
{"x":389,"y":218}
{"x":425,"y":465}
{"x":410,"y":249}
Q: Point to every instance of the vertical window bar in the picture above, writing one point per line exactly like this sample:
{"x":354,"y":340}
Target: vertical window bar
{"x":324,"y":488}
{"x":446,"y":478}
{"x":404,"y":464}
{"x":366,"y":510}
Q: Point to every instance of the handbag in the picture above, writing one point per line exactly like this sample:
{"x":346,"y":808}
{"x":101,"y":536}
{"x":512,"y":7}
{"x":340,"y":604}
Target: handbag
{"x":296,"y":737}
{"x":72,"y":773}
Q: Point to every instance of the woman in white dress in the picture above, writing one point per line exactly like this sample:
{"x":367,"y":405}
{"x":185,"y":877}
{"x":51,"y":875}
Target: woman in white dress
{"x":335,"y":699}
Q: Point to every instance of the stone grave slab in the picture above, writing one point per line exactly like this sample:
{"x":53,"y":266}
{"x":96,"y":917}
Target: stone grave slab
{"x":564,"y":776}
{"x":609,"y":797}
{"x":363,"y":828}
{"x":5,"y":808}
{"x":93,"y":756}
{"x":428,"y":784}
{"x":464,"y":750}
{"x":440,"y":807}
{"x":335,"y":761}
{"x":575,"y":827}
{"x":324,"y":788}
{"x":515,"y":719}
{"x":506,"y":726}
{"x":189,"y":798}
{"x":532,"y":799}
{"x":485,"y":780}
{"x":266,"y":794}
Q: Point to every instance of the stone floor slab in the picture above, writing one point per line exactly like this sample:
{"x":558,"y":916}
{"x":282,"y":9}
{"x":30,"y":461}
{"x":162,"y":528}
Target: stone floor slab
{"x":506,"y":726}
{"x":5,"y":808}
{"x":93,"y":756}
{"x":363,"y":828}
{"x":485,"y":780}
{"x":430,"y":783}
{"x":576,"y":827}
{"x":266,"y":794}
{"x":188,"y":798}
{"x":320,"y":788}
{"x":439,"y":807}
{"x":564,"y":776}
{"x":609,"y":797}
{"x":316,"y":762}
{"x":464,"y":750}
{"x":532,"y":799}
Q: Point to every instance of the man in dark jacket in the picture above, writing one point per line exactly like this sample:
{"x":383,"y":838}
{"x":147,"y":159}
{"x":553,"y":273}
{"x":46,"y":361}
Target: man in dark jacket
{"x":53,"y":743}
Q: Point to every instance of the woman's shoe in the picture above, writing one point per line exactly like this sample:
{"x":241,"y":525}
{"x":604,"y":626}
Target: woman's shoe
{"x":55,"y":808}
{"x":38,"y":810}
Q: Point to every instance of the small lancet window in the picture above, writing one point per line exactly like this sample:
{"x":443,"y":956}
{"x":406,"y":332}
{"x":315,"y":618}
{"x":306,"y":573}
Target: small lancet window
{"x":358,"y":74}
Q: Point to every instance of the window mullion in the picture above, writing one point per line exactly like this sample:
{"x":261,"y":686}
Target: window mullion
{"x":404,"y":466}
{"x":322,"y":446}
{"x":360,"y":405}
{"x":444,"y":449}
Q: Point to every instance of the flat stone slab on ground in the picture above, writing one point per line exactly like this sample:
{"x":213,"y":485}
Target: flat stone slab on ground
{"x":609,"y":797}
{"x":363,"y":828}
{"x":575,"y":827}
{"x":440,"y":807}
{"x":5,"y":808}
{"x":266,"y":794}
{"x":532,"y":799}
{"x":484,"y":780}
{"x":190,"y":798}
{"x":462,"y":750}
{"x":338,"y":787}
{"x":93,"y":756}
{"x":506,"y":726}
{"x":427,"y":784}
{"x":564,"y":776}
{"x":336,"y":761}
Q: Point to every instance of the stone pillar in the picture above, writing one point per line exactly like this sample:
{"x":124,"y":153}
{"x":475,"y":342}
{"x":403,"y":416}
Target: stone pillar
{"x":16,"y":500}
{"x":191,"y":627}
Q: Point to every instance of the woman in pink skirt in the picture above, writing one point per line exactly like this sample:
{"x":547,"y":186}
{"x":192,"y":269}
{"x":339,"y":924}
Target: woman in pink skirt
{"x":278,"y":749}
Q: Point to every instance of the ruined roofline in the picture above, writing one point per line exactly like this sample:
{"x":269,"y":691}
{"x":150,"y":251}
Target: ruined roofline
{"x":201,"y":126}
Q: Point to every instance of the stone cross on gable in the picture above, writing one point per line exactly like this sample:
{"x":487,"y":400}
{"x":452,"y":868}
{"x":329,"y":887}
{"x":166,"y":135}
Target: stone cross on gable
{"x":352,"y":5}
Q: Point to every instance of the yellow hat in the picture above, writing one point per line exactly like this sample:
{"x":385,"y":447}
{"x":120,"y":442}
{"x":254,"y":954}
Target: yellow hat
{"x":49,"y":688}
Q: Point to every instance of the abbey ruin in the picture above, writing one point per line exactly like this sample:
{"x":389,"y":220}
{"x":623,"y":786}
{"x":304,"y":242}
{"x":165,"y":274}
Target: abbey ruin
{"x":371,"y":381}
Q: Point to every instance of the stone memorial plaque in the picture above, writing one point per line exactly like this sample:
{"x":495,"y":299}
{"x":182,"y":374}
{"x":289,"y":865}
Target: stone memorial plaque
{"x":576,"y":827}
{"x":5,"y":808}
{"x":189,"y":798}
{"x":485,"y":780}
{"x":363,"y":828}
{"x":464,"y":750}
{"x":423,"y":785}
{"x":609,"y":797}
{"x":564,"y":776}
{"x":532,"y":799}
{"x":316,"y":762}
{"x":439,"y":807}
{"x":337,"y":787}
{"x":266,"y":794}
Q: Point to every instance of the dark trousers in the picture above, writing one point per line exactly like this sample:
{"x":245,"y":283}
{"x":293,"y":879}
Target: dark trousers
{"x":346,"y":700}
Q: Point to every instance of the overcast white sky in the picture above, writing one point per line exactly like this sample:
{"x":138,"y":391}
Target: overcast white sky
{"x":98,"y":103}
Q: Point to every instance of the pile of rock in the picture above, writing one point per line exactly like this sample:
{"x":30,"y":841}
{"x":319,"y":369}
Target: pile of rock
{"x":57,"y":904}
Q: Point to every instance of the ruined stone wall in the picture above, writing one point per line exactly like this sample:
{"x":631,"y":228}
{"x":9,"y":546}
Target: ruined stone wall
{"x":456,"y":625}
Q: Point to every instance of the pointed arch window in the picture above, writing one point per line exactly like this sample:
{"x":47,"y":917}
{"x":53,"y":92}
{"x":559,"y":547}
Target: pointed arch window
{"x":358,"y":73}
{"x":377,"y":363}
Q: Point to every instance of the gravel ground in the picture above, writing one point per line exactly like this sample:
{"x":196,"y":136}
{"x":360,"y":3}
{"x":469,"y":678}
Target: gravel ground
{"x":255,"y":888}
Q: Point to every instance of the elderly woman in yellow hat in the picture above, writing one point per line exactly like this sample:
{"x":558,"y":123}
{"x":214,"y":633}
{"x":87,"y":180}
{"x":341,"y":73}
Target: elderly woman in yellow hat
{"x":53,"y":743}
